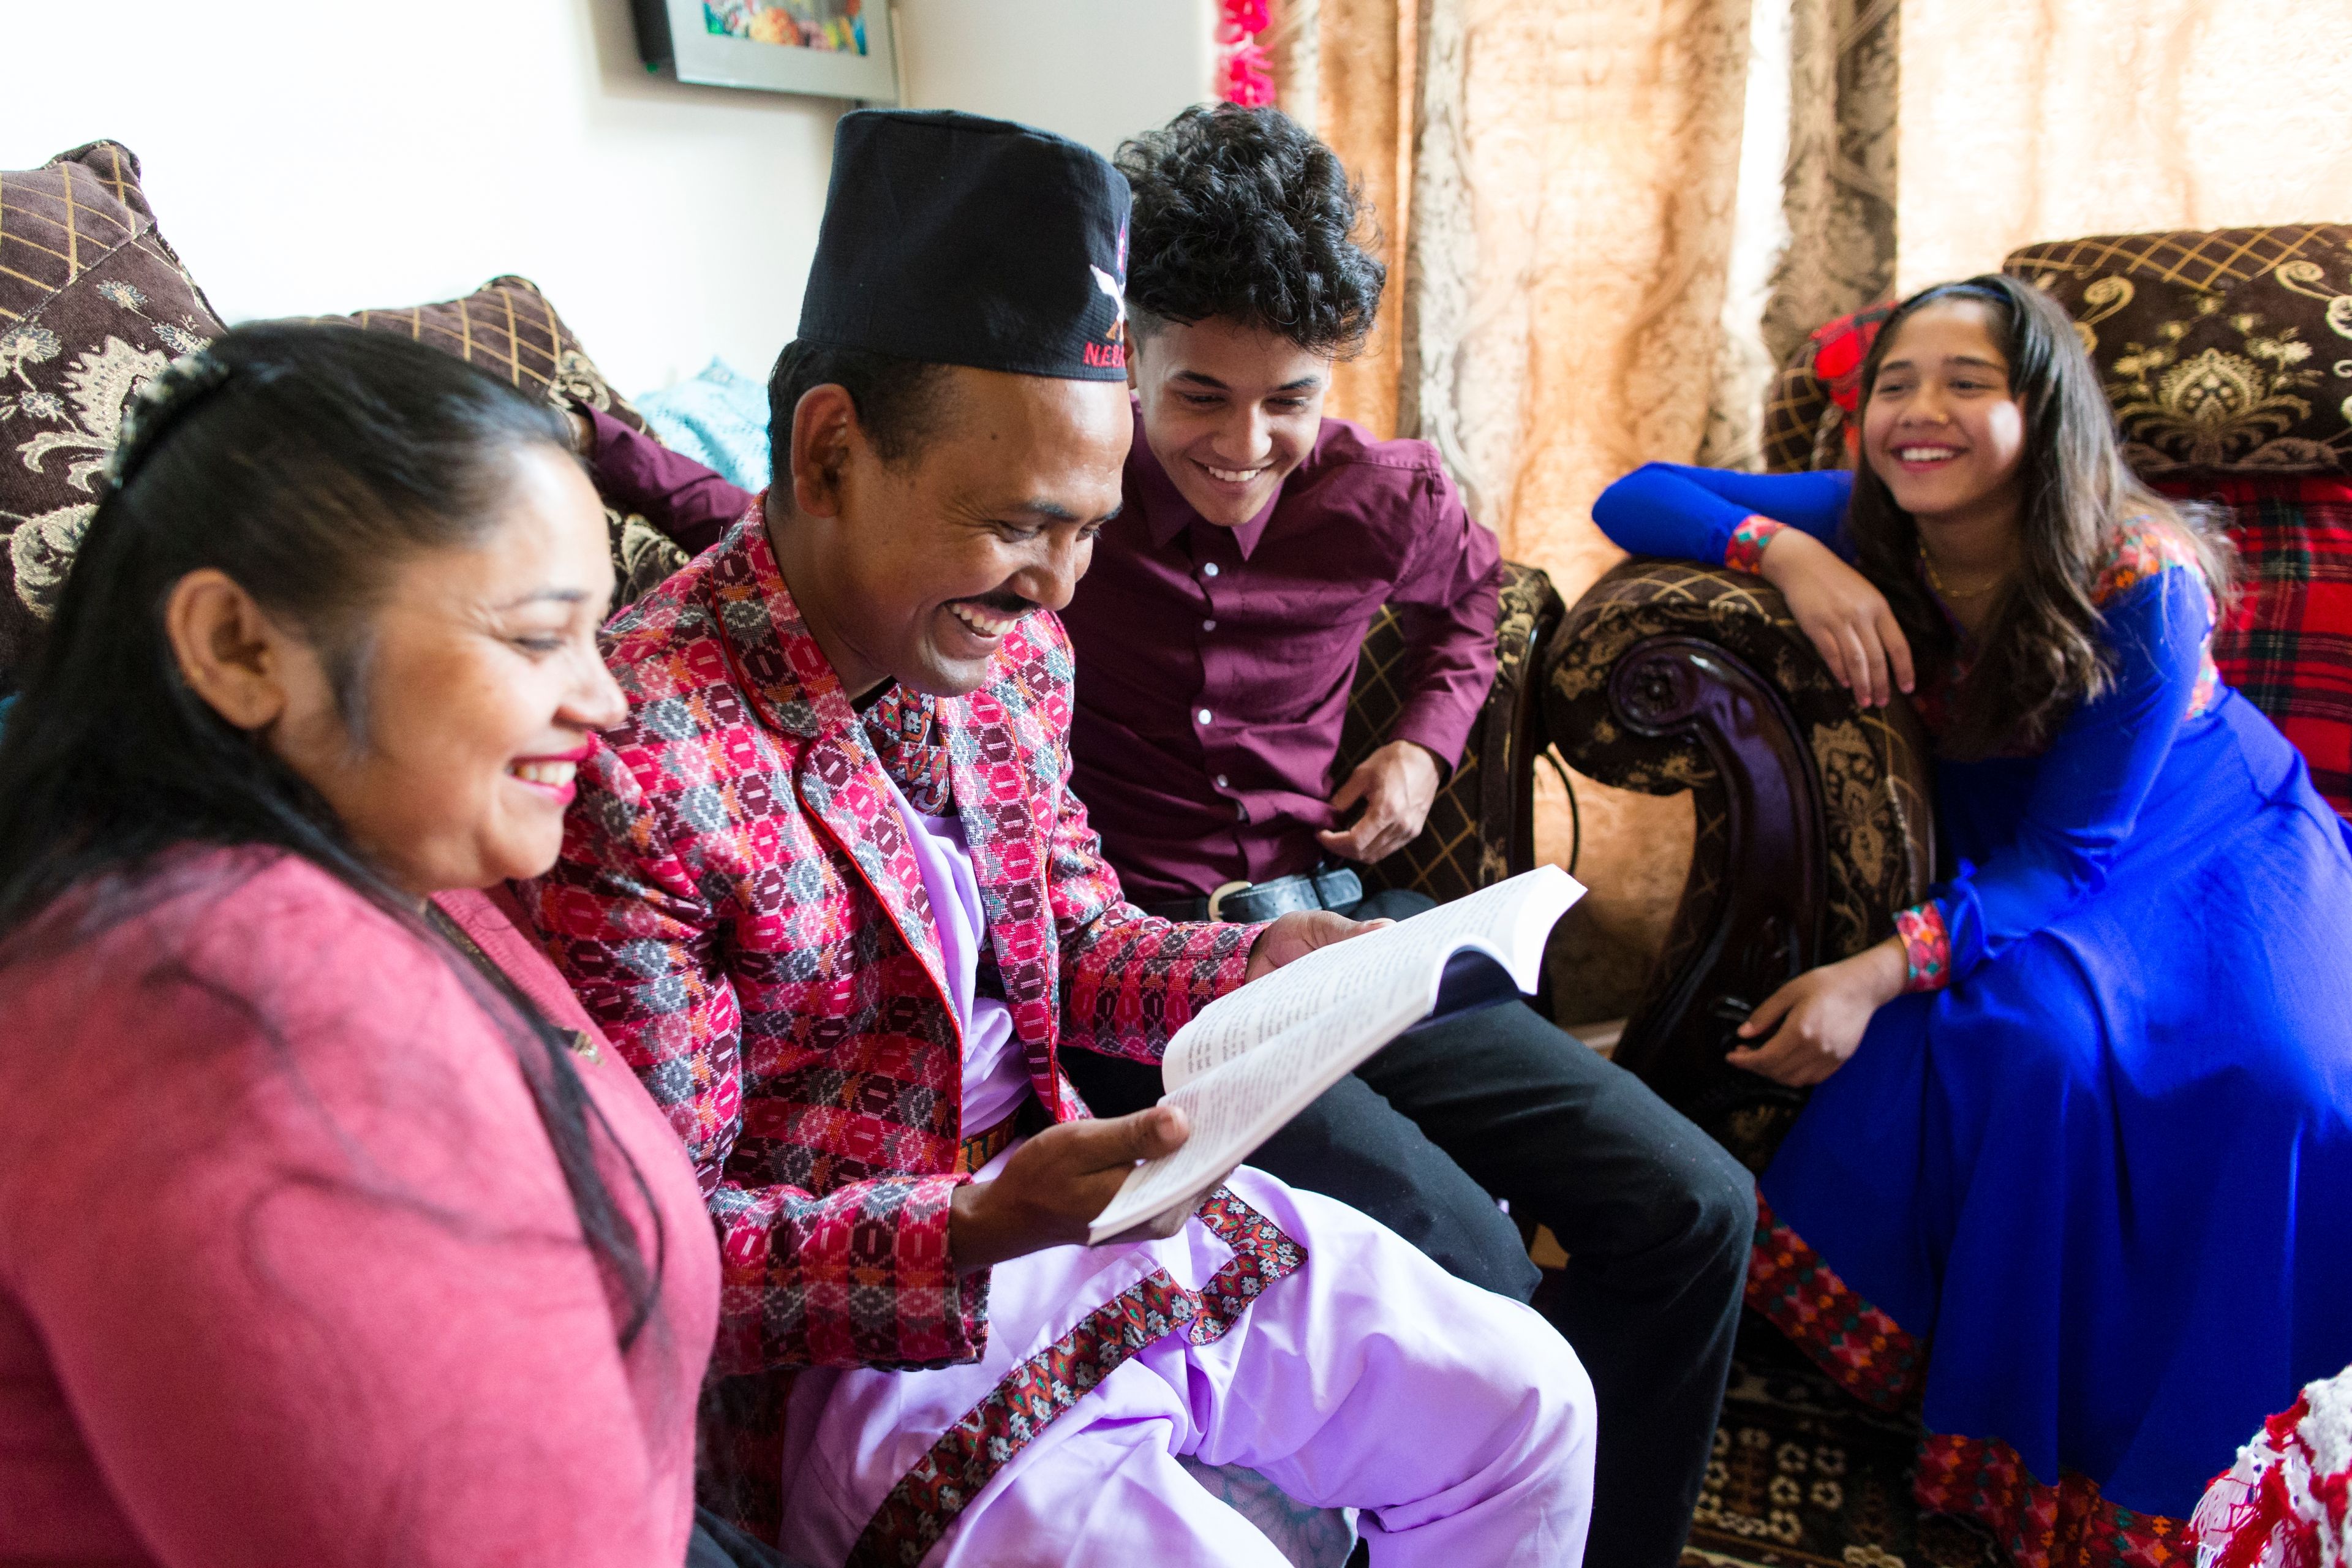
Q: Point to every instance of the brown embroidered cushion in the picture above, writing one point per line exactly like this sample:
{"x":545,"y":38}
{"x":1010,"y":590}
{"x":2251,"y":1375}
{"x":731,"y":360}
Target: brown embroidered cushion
{"x":92,"y":302}
{"x":2222,"y":351}
{"x":508,"y":328}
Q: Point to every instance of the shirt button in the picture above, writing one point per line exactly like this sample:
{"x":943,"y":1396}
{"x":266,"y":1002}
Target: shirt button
{"x":1210,"y":624}
{"x":1205,"y":716}
{"x":1221,"y":781}
{"x":1210,"y":569}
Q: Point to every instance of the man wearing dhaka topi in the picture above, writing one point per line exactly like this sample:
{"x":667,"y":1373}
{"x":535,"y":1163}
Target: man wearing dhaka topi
{"x":828,"y":890}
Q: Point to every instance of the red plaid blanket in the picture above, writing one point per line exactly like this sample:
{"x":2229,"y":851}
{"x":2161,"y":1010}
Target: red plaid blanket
{"x":2287,"y":641}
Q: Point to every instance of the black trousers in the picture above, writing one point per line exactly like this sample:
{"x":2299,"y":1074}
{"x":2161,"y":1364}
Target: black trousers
{"x":1656,"y":1217}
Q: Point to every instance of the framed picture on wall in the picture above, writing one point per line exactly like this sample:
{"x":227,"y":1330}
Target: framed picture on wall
{"x":836,"y":48}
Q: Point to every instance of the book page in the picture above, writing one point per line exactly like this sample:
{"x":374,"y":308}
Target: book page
{"x":1258,"y":1056}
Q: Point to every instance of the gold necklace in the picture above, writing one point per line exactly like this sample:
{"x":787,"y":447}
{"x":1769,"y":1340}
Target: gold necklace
{"x":1936,"y":581}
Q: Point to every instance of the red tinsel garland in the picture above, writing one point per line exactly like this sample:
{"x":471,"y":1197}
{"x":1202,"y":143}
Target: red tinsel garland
{"x":1245,"y":70}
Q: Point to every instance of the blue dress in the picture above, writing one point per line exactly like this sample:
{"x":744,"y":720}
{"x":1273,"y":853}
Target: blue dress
{"x":2104,"y":1174}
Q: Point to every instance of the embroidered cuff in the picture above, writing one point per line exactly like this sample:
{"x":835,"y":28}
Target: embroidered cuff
{"x":1926,"y":947}
{"x":1745,"y":552}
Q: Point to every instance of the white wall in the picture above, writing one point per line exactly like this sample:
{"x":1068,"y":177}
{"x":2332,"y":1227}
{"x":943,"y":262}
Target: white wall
{"x":1098,"y":71}
{"x":322,"y":158}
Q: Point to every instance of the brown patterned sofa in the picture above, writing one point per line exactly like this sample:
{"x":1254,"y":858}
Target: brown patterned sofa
{"x":2228,"y":358}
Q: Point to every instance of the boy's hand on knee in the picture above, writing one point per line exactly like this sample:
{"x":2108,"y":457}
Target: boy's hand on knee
{"x":1051,"y":1189}
{"x":1396,"y":786}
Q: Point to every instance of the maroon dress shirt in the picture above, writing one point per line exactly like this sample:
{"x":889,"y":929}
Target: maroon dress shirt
{"x":1213,"y":664}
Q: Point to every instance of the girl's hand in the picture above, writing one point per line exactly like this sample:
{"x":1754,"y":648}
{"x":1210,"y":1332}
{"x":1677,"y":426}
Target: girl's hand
{"x":1820,"y":1015}
{"x":1847,"y":619}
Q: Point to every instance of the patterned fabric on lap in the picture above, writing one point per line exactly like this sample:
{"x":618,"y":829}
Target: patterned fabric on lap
{"x":2287,"y":641}
{"x":2287,"y":1501}
{"x":1870,"y":1357}
{"x":924,"y":1504}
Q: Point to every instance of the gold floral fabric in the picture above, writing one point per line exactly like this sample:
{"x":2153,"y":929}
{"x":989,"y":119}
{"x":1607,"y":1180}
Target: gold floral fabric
{"x":92,"y":304}
{"x":2222,"y":351}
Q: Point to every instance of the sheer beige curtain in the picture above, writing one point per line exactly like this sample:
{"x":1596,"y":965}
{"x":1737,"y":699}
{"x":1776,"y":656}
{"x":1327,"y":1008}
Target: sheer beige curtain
{"x":2032,"y":119}
{"x":1608,"y":221}
{"x":1555,"y":182}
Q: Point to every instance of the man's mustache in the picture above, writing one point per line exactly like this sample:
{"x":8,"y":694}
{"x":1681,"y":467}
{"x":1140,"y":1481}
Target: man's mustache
{"x":1005,"y":607}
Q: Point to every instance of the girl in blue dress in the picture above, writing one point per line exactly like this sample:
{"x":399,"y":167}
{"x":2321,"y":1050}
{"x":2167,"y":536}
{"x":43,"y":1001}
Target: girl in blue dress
{"x":2077,"y":1167}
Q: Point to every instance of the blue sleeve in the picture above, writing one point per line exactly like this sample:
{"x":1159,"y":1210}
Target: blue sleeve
{"x":1668,"y":508}
{"x":2095,"y":777}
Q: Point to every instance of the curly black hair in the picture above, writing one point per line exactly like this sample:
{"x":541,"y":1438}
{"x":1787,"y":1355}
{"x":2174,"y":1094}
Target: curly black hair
{"x":1240,"y":213}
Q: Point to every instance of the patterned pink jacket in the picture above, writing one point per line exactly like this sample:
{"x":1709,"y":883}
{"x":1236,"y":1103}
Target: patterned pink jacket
{"x":739,"y":907}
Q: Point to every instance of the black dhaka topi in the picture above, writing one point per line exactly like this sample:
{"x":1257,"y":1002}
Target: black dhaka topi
{"x":958,"y":240}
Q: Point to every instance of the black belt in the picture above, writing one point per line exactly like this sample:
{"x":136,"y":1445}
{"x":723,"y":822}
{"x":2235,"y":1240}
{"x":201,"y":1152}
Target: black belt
{"x":1247,"y":903}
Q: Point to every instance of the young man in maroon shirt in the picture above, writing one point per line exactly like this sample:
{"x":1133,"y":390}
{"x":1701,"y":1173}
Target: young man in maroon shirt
{"x":1216,"y":635}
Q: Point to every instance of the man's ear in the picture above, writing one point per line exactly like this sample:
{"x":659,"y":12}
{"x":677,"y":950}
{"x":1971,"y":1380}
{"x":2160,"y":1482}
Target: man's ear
{"x":230,"y":653}
{"x":824,"y":423}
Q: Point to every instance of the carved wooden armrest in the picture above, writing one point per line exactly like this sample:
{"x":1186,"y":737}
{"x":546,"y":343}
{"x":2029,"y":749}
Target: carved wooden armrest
{"x":1814,"y":821}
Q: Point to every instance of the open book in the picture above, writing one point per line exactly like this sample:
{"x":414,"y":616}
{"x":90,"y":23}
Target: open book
{"x":1257,"y":1056}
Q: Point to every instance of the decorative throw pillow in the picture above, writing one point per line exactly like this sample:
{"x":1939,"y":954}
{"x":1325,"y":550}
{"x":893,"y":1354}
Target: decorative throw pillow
{"x":92,"y":302}
{"x":508,"y":328}
{"x":2225,"y":351}
{"x":720,"y":419}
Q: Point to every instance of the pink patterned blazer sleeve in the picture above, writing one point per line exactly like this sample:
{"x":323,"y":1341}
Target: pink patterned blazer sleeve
{"x":859,"y":1276}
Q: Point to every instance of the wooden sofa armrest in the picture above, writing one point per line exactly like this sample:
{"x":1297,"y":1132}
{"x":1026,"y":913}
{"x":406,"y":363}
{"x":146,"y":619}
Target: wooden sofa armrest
{"x":1815,"y":822}
{"x":1481,"y":827}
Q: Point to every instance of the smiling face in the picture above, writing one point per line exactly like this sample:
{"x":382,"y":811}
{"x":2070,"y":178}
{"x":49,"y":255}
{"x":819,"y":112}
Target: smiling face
{"x":1229,"y":410}
{"x":480,"y":683}
{"x":1942,"y":427}
{"x":916,"y":570}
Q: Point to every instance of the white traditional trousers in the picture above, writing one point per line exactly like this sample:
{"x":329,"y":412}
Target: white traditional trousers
{"x":1365,"y":1377}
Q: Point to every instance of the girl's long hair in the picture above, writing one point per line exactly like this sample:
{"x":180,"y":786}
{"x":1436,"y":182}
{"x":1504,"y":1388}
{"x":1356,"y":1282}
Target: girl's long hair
{"x":2040,"y":652}
{"x":305,"y":462}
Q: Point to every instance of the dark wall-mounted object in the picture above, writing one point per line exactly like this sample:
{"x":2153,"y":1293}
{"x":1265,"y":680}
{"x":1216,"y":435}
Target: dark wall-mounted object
{"x":679,"y":35}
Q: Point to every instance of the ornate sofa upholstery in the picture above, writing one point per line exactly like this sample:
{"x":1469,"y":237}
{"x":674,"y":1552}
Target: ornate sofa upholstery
{"x":1481,"y":827}
{"x":2226,"y":358}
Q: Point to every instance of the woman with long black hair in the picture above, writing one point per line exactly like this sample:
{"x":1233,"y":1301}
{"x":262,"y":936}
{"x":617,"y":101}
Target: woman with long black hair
{"x":2077,"y":1166}
{"x":328,"y":1233}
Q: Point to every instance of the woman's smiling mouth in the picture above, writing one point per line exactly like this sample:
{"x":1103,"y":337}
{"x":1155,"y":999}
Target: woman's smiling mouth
{"x":1924,"y":454}
{"x":550,"y":775}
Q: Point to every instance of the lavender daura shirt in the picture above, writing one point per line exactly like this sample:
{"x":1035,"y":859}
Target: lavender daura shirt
{"x":1213,"y":664}
{"x":995,"y":1073}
